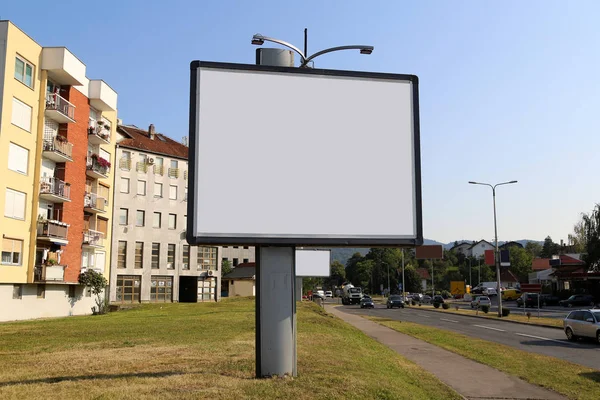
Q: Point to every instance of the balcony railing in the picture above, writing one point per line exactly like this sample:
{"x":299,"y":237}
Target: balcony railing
{"x":56,"y":187}
{"x":185,"y":174}
{"x":92,"y":200}
{"x":141,"y":166}
{"x":52,"y":229}
{"x":99,"y":134}
{"x":173,"y":172}
{"x":55,"y":102}
{"x":159,"y":169}
{"x":98,"y":165}
{"x":44,"y":273}
{"x":93,"y":238}
{"x":125,"y":163}
{"x":60,"y":146}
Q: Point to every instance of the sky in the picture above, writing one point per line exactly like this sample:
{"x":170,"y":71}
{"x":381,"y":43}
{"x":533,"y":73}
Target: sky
{"x":508,"y":90}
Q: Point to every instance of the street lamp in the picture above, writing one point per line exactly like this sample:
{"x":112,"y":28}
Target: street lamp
{"x":496,"y":258}
{"x":259,"y":40}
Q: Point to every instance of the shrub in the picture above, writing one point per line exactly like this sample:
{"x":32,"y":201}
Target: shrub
{"x":445,"y":306}
{"x":414,"y":303}
{"x":485,"y":309}
{"x":505,"y":312}
{"x":97,"y":282}
{"x":436,"y":305}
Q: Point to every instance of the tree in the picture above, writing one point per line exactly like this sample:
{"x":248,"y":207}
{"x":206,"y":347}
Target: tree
{"x":534,"y":248}
{"x":96,"y":282}
{"x":225,"y":267}
{"x":412,"y":280}
{"x":351,"y":271}
{"x":578,"y":238}
{"x":549,"y":248}
{"x":337,"y":274}
{"x":591,"y":225}
{"x":520,"y":262}
{"x":364,"y":271}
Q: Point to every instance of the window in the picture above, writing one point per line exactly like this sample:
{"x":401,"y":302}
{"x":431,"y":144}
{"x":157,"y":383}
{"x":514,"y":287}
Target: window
{"x":21,"y":115}
{"x":185,"y":195}
{"x":124,"y":185}
{"x":12,"y":250}
{"x":245,"y":260}
{"x":235,"y":262}
{"x":186,"y":257}
{"x":14,"y":206}
{"x":24,"y":71}
{"x":41,"y":291}
{"x":18,"y":157}
{"x":17,"y":292}
{"x":173,"y":192}
{"x":158,"y":190}
{"x":139,"y":255}
{"x":128,"y":288}
{"x":236,"y":247}
{"x":245,"y":247}
{"x":155,"y":255}
{"x":161,"y":289}
{"x":174,"y":163}
{"x":141,"y":188}
{"x":171,"y":256}
{"x":206,"y":289}
{"x":172,"y":221}
{"x":123,"y":216}
{"x":102,"y":225}
{"x":156,"y":220}
{"x":122,"y":254}
{"x":207,"y":258}
{"x":140,"y":216}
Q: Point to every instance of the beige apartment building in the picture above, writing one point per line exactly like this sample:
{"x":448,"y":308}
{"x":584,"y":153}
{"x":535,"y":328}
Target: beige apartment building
{"x":151,"y":259}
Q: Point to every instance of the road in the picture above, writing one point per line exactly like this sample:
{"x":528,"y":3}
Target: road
{"x":535,"y":339}
{"x":548,"y":311}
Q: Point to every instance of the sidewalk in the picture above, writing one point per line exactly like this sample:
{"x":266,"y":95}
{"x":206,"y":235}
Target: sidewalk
{"x":471,"y":379}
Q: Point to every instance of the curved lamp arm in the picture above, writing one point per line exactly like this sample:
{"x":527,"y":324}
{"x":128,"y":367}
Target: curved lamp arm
{"x":281,"y":42}
{"x":363,"y":49}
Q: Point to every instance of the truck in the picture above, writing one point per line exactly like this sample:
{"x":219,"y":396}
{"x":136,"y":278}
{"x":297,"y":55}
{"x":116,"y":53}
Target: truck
{"x":351,"y":294}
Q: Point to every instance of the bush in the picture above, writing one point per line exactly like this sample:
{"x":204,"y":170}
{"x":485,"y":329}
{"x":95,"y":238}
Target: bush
{"x":414,"y":303}
{"x":436,"y":305}
{"x":445,"y":306}
{"x":505,"y":312}
{"x":485,"y":309}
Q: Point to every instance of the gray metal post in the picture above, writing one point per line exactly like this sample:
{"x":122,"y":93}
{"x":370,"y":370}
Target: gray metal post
{"x":298,"y":288}
{"x":276,"y":279}
{"x":403,"y":287}
{"x":497,"y":258}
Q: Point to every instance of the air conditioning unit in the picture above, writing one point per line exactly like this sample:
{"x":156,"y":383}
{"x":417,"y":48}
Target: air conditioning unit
{"x":151,"y":161}
{"x":210,"y":273}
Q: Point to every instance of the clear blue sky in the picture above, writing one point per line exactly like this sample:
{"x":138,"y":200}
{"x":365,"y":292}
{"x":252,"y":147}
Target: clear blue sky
{"x":509,"y":90}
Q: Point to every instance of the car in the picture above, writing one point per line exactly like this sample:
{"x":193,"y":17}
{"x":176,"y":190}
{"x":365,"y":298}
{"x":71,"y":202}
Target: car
{"x":511,"y":294}
{"x":549,"y":300}
{"x":395,"y":301}
{"x":367,"y":302}
{"x":438,"y":299}
{"x":321,"y":293}
{"x":479,"y":301}
{"x":529,"y":300}
{"x":488,"y":291}
{"x":329,"y":293}
{"x":417,"y":297}
{"x":426,"y":299}
{"x":582,"y":323}
{"x":578,"y":300}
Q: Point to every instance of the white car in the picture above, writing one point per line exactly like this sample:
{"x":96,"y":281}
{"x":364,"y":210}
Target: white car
{"x":490,"y":291}
{"x":479,"y":301}
{"x":329,"y":293}
{"x":321,"y":293}
{"x":582,"y":323}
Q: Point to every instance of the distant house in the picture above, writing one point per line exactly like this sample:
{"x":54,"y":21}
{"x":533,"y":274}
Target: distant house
{"x":508,"y":279}
{"x":510,"y":244}
{"x":540,"y":264}
{"x":462,"y":248}
{"x":425,"y":277}
{"x":478,"y":249}
{"x":241,"y":281}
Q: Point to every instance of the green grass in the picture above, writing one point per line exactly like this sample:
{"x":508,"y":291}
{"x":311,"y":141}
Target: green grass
{"x":193,"y":351}
{"x":571,"y":380}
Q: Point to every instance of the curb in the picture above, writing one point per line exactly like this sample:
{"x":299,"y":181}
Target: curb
{"x":486,"y":318}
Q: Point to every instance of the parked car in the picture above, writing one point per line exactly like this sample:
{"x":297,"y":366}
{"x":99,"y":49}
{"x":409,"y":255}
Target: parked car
{"x":578,"y":300}
{"x":395,"y":301}
{"x":477,"y":290}
{"x":488,"y":291}
{"x":417,"y":297}
{"x":329,"y":293}
{"x":511,"y":294}
{"x":529,"y":300}
{"x":438,"y":299}
{"x":479,"y":301}
{"x":367,"y":302}
{"x":426,"y":299}
{"x":549,"y":300}
{"x":321,"y":293}
{"x":582,"y":323}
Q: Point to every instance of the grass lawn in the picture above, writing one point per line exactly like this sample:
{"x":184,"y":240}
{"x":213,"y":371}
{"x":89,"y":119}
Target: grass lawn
{"x":195,"y":351}
{"x":558,"y":322}
{"x":572,"y":380}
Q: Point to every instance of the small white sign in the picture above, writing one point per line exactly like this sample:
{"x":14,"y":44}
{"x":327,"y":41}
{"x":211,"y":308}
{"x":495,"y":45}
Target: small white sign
{"x":313,"y":263}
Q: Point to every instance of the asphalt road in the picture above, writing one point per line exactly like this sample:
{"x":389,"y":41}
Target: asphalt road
{"x":548,"y":311}
{"x":535,"y":339}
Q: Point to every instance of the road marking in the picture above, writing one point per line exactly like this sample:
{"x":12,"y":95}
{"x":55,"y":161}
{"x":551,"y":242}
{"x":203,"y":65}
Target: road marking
{"x":489,"y":327}
{"x":543,"y":338}
{"x":449,"y":320}
{"x":425,"y":316}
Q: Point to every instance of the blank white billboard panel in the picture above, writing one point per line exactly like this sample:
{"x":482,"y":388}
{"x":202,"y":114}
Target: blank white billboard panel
{"x":313,"y":263}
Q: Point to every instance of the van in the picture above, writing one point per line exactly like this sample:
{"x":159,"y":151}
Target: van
{"x":511,"y":294}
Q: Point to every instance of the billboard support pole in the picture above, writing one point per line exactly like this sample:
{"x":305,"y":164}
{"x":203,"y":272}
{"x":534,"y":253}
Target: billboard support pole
{"x":276,"y":288}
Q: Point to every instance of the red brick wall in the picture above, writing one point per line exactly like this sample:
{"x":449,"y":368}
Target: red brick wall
{"x":76,"y":134}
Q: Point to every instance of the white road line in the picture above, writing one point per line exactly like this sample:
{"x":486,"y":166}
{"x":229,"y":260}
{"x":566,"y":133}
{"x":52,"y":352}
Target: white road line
{"x":543,"y":338}
{"x":489,"y":327}
{"x":449,"y":320}
{"x":425,"y":316}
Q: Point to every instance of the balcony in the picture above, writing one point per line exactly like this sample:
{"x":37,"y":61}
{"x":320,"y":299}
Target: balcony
{"x":52,"y":231}
{"x":99,"y":134}
{"x":58,"y":149}
{"x":125,"y":163}
{"x":141,"y":166}
{"x":59,"y":109}
{"x":173,"y":172}
{"x":94,"y":204}
{"x":55,"y":190}
{"x":97,"y":167}
{"x":102,"y":97}
{"x":159,"y":170}
{"x":93,"y":238}
{"x":49,"y":273}
{"x":62,"y":66}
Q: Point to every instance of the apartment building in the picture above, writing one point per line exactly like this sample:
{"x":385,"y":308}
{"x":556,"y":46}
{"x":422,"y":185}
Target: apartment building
{"x":56,"y":151}
{"x":236,"y":255}
{"x":151,"y":259}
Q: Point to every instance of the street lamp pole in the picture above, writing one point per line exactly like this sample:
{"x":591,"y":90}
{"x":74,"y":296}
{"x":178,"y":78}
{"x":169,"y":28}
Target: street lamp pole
{"x":388,"y":265}
{"x":403,"y":287}
{"x":496,"y":255}
{"x":470,"y":275}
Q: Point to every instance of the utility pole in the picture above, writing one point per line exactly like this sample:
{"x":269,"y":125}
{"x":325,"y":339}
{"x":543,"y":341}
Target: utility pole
{"x":403,"y":287}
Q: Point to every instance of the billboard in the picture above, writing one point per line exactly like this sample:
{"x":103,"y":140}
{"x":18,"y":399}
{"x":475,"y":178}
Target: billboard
{"x":429,"y":252}
{"x":280,"y":156}
{"x":313,"y":263}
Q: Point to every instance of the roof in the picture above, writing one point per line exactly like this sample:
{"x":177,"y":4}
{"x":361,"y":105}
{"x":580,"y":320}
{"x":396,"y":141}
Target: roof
{"x":242,"y":271}
{"x":461,"y":244}
{"x":540,"y":264}
{"x":476,"y":243}
{"x":423,"y":273}
{"x":507,"y":276}
{"x":139,"y":139}
{"x":564,"y":260}
{"x":511,"y":244}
